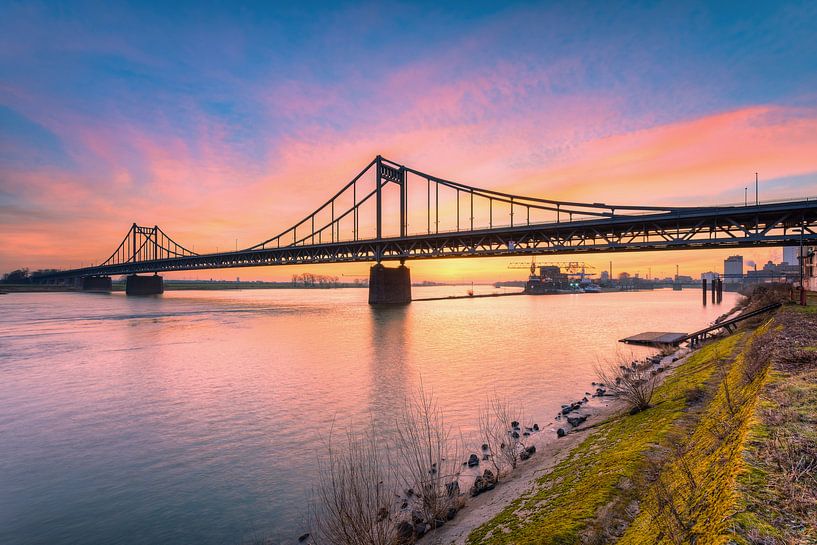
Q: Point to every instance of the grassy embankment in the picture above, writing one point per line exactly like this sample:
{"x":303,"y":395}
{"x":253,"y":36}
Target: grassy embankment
{"x":726,"y":454}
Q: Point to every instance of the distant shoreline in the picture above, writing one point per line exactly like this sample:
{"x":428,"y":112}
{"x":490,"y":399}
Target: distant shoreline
{"x":182,"y":285}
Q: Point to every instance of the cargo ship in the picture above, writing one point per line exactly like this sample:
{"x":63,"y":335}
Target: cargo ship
{"x":553,"y":277}
{"x":550,"y":280}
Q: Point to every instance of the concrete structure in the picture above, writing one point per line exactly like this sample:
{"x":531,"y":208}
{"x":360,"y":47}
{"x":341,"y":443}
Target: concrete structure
{"x":144,"y":285}
{"x":710,"y":276}
{"x":96,"y":283}
{"x":389,"y":286}
{"x":733,"y":269}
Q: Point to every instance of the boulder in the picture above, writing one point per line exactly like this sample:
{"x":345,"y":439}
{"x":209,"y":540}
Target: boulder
{"x":524,"y":455}
{"x":515,"y":435}
{"x":577,"y":420}
{"x":515,"y":424}
{"x":405,"y":532}
{"x":489,"y":476}
{"x":561,"y":432}
{"x":483,"y":484}
{"x":451,"y":513}
{"x":453,"y":489}
{"x":536,"y":427}
{"x":479,"y":486}
{"x":420,"y":530}
{"x":485,"y":446}
{"x":473,"y":460}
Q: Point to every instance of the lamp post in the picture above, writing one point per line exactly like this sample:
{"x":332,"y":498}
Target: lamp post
{"x":802,"y":267}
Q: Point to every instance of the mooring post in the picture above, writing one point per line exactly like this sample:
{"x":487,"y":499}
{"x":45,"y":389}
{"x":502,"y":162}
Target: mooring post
{"x":703,"y":283}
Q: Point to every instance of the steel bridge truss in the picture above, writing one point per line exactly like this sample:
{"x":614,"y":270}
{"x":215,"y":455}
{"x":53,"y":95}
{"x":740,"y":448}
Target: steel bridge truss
{"x":144,"y":244}
{"x":568,"y":228}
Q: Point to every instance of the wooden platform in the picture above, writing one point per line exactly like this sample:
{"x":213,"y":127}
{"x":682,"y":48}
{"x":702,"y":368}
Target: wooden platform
{"x":655,"y":338}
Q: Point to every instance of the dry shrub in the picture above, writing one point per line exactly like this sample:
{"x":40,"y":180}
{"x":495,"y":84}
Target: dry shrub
{"x":764,"y":295}
{"x":496,"y":421}
{"x":667,"y":350}
{"x":429,"y":456}
{"x":675,"y":502}
{"x":356,"y":491}
{"x":634,"y":384}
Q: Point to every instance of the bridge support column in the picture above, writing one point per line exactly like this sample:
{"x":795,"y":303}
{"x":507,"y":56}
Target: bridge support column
{"x":389,"y":286}
{"x":144,"y":285}
{"x":96,"y":283}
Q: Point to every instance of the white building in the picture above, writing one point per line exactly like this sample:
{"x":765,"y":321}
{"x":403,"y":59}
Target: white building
{"x":733,"y":269}
{"x":710,"y":276}
{"x":791,"y":254}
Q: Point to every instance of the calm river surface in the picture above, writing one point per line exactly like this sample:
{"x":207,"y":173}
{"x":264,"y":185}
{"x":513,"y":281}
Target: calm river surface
{"x":195,"y":417}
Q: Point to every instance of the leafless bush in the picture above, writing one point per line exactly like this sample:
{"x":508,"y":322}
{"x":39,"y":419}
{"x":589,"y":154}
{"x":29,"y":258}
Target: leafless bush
{"x":667,"y":350}
{"x":634,"y":384}
{"x":674,"y":501}
{"x":504,"y":440}
{"x":757,"y":357}
{"x":356,"y":492}
{"x":763,"y":295}
{"x":722,"y":372}
{"x":756,"y":537}
{"x":429,"y":456}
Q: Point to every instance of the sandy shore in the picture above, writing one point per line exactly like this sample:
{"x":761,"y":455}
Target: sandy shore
{"x":550,"y":450}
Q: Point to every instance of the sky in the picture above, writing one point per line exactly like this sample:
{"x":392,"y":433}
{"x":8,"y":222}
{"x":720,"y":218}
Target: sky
{"x":225,"y":122}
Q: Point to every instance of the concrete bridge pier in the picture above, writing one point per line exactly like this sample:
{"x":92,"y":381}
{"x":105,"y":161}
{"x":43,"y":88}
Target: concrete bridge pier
{"x":144,"y":285}
{"x":389,"y":286}
{"x":96,"y":283}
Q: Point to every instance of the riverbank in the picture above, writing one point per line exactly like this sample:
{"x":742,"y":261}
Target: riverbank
{"x":725,"y":452}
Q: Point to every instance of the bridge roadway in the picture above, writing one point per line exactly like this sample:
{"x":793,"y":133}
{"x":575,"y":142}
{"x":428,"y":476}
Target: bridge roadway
{"x":773,"y":224}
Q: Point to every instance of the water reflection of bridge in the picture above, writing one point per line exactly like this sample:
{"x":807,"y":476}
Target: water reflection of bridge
{"x":375,"y":218}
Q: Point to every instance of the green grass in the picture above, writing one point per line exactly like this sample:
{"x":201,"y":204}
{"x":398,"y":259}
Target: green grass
{"x":699,"y":481}
{"x":712,"y":468}
{"x":603,"y":467}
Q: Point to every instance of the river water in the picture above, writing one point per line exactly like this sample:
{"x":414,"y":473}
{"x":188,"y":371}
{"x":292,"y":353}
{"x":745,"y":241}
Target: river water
{"x":196,"y":417}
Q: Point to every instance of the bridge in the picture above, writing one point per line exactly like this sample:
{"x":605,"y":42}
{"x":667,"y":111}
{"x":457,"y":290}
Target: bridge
{"x":392,"y":212}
